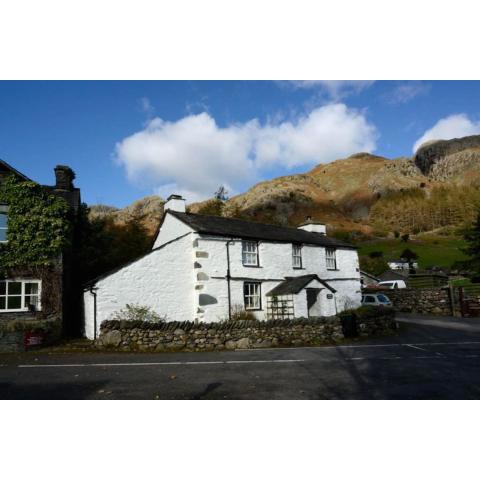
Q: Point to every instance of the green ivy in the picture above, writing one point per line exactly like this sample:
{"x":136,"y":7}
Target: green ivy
{"x":38,"y":224}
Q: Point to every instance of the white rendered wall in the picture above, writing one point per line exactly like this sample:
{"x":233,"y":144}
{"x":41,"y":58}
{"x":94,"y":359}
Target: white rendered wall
{"x":162,"y":280}
{"x":275,"y":264}
{"x":171,"y":228}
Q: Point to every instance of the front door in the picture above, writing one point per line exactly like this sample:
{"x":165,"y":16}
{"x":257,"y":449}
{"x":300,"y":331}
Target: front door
{"x":313,"y":302}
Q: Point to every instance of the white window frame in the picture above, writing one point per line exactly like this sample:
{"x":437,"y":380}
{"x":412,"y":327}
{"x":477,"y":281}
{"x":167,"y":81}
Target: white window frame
{"x":252,"y":295}
{"x":22,"y":295}
{"x":297,"y":261}
{"x":250,"y":253}
{"x":4,"y":211}
{"x":331,"y":258}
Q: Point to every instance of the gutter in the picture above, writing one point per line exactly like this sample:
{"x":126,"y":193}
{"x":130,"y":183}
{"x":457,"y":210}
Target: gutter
{"x":228,"y":277}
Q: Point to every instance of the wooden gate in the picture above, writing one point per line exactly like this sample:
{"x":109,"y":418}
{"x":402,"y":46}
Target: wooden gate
{"x":468,"y":299}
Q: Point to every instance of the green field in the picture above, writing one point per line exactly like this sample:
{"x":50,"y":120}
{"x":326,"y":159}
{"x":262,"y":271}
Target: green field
{"x":432,"y":250}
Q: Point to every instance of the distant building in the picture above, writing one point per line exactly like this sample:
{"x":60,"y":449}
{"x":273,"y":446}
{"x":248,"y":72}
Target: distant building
{"x":392,"y":275}
{"x":401,"y":264}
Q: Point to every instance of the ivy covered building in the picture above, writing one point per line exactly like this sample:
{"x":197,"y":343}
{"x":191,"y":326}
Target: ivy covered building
{"x":37,"y":228}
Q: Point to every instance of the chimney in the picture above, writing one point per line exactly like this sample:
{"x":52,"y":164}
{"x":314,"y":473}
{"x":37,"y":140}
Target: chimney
{"x":64,"y":178}
{"x":176,"y":203}
{"x":314,"y":227}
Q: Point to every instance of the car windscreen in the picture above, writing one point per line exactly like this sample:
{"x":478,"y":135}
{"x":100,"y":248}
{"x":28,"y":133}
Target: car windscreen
{"x":383,"y":299}
{"x":386,"y":284}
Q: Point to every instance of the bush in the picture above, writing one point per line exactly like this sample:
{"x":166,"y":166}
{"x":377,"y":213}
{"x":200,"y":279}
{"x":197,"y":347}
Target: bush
{"x":240,"y":314}
{"x":137,"y":313}
{"x":367,"y":311}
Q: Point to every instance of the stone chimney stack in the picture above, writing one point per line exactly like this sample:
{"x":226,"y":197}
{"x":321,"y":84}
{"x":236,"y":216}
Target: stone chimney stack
{"x":175,"y":203}
{"x":64,"y":177}
{"x":314,"y":227}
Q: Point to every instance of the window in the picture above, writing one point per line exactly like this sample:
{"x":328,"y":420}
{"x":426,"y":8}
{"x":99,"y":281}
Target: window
{"x":19,"y":295}
{"x":297,"y":256}
{"x":368,"y":299}
{"x":330,"y":255}
{"x":3,"y":223}
{"x":250,"y":253}
{"x":251,"y":296}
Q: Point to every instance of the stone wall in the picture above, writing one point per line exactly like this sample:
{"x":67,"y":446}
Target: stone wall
{"x":435,"y":301}
{"x":12,"y":333}
{"x":190,"y":336}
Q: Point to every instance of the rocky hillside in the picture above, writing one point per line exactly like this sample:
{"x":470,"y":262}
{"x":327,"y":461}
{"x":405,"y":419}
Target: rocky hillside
{"x":147,"y":210}
{"x":342,"y":193}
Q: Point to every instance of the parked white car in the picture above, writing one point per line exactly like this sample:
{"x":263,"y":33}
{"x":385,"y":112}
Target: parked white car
{"x":392,"y":284}
{"x":376,"y":300}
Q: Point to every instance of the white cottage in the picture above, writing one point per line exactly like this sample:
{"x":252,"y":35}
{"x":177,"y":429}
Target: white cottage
{"x":204,"y":267}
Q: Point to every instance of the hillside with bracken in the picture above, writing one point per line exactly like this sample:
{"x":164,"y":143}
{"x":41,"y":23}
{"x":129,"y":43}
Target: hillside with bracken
{"x":364,"y":192}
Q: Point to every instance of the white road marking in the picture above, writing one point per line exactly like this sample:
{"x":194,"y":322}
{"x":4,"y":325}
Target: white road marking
{"x":414,"y":346}
{"x":144,"y":364}
{"x":336,"y":347}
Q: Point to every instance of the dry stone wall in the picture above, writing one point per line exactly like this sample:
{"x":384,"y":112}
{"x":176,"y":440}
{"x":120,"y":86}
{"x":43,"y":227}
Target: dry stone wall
{"x":435,"y":301}
{"x":190,"y":336}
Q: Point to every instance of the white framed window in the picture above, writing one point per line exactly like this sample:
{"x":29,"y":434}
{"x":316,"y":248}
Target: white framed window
{"x":3,"y":223}
{"x":297,"y":256}
{"x":20,"y":295}
{"x":331,"y":258}
{"x":250,"y":253}
{"x":252,"y":296}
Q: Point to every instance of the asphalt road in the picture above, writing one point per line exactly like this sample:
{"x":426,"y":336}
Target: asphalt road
{"x":430,"y":358}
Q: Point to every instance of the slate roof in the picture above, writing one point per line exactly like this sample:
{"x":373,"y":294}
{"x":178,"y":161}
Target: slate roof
{"x":293,"y":285}
{"x":233,"y":227}
{"x":391,"y":275}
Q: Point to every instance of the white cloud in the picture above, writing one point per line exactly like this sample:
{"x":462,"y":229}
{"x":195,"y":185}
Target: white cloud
{"x":404,"y":92}
{"x":334,"y":89}
{"x":454,"y":126}
{"x":194,"y":155}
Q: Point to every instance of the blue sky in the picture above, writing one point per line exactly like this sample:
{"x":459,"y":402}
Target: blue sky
{"x":128,"y":139}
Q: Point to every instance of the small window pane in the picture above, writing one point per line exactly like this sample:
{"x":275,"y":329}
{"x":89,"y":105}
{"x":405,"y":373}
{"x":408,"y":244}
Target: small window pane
{"x":3,"y":220}
{"x":3,"y":303}
{"x":14,"y":288}
{"x":31,"y":302}
{"x":3,"y":288}
{"x":14,"y":302}
{"x":31,"y":288}
{"x":3,"y":234}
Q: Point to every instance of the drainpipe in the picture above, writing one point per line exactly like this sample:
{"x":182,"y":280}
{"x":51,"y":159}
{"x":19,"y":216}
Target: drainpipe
{"x":93,"y":291}
{"x":228,"y":281}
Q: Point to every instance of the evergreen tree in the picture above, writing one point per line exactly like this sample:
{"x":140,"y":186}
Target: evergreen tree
{"x":472,"y":238}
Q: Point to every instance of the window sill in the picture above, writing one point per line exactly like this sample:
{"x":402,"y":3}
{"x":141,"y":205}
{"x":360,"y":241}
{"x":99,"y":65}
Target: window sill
{"x":298,"y":268}
{"x":333,"y":269}
{"x":252,"y":266}
{"x":19,"y":311}
{"x":253,"y":309}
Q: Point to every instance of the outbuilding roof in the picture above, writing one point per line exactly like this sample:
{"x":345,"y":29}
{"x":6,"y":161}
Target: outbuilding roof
{"x":233,"y":227}
{"x":293,"y":285}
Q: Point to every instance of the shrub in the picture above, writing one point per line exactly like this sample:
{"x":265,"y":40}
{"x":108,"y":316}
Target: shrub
{"x":137,"y":313}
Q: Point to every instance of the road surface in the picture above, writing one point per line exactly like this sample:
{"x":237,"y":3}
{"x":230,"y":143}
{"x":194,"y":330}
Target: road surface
{"x":430,"y":358}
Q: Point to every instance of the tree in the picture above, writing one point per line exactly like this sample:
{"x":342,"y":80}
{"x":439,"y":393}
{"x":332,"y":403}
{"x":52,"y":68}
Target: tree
{"x":410,"y":256}
{"x":213,"y":207}
{"x":375,"y":254}
{"x":221,"y":194}
{"x":472,"y":238}
{"x":374,"y":266}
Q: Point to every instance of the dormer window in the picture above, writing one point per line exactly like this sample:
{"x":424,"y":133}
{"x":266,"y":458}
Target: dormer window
{"x":3,"y":223}
{"x":297,"y":256}
{"x":250,"y":253}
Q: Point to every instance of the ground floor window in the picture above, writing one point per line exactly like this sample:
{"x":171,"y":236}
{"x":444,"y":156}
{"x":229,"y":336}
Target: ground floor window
{"x":252,"y":296}
{"x":19,"y":295}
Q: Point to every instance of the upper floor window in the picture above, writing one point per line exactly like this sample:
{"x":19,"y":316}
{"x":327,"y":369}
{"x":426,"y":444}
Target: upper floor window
{"x":297,"y":256}
{"x":19,"y":295}
{"x":250,"y":253}
{"x":3,"y":223}
{"x":331,"y":258}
